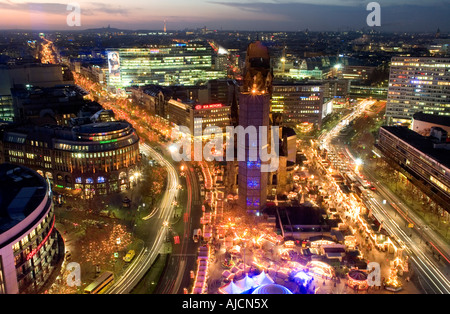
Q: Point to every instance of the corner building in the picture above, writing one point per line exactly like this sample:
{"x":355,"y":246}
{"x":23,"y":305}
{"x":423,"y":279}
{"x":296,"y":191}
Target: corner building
{"x":30,"y":246}
{"x":86,"y":160}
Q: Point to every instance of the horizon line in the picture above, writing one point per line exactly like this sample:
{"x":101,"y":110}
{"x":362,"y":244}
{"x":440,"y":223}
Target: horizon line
{"x":364,"y":30}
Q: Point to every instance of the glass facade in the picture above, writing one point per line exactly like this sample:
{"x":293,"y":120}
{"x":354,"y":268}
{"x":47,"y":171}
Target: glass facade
{"x":6,"y":109}
{"x":177,"y":64}
{"x":35,"y":255}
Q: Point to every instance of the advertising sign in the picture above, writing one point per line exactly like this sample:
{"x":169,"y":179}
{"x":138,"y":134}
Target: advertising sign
{"x":114,"y":66}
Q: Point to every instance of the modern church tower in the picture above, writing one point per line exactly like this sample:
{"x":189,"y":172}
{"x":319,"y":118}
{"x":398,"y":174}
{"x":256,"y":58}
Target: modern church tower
{"x":254,"y":106}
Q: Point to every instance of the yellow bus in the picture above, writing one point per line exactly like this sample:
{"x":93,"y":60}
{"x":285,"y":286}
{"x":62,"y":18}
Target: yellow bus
{"x":103,"y":282}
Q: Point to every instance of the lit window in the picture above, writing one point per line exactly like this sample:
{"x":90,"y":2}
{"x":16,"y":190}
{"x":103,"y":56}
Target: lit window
{"x":253,"y":183}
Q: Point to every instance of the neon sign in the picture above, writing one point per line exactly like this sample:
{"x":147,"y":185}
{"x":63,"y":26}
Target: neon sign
{"x":210,"y":106}
{"x":32,"y":253}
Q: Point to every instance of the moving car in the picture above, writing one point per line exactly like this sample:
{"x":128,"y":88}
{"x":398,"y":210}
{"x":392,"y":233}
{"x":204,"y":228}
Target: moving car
{"x":129,"y":257}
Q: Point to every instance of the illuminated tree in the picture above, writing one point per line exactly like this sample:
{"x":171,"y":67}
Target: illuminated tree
{"x":100,"y":251}
{"x":153,"y":183}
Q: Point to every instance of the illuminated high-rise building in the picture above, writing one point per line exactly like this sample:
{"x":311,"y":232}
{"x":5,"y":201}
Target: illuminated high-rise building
{"x":254,"y":107}
{"x":177,"y":64}
{"x":298,"y":103}
{"x":418,"y":84}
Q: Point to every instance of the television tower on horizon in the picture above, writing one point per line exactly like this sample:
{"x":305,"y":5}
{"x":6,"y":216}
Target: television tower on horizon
{"x":165,"y":26}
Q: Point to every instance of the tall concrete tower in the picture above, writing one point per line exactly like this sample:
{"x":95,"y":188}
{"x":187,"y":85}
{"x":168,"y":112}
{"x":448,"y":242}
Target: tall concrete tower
{"x":254,"y":107}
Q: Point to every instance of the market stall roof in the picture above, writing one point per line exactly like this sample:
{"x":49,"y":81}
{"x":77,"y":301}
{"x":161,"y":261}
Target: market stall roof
{"x":245,"y":283}
{"x":334,"y":251}
{"x":262,"y":279}
{"x":339,"y":236}
{"x":334,"y":255}
{"x":304,"y":277}
{"x":230,"y":288}
{"x":321,"y":237}
{"x":226,"y":273}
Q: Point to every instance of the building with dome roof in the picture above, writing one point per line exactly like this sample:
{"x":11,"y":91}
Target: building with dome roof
{"x":90,"y":159}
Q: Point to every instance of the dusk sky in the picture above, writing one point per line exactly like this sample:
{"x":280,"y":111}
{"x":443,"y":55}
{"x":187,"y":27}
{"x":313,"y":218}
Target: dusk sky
{"x":273,"y":15}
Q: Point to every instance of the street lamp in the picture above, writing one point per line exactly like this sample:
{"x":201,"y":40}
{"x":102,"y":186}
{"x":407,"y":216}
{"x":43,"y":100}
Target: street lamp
{"x":173,"y":148}
{"x":358,"y":163}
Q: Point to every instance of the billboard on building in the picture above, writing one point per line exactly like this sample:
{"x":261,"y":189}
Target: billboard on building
{"x":114,"y":66}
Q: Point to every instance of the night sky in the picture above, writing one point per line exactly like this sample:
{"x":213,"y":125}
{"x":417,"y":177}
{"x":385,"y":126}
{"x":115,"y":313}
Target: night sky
{"x":271,"y":15}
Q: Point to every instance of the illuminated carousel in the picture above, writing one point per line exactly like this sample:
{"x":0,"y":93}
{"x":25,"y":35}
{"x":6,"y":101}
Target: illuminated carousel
{"x":272,"y":289}
{"x":357,"y":279}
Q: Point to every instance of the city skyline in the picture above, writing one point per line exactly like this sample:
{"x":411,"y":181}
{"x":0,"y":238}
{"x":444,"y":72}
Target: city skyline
{"x":325,"y":15}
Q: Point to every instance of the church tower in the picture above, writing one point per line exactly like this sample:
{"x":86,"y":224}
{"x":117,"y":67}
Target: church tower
{"x":254,"y":110}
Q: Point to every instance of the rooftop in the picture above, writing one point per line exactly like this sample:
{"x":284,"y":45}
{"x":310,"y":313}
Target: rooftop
{"x":51,"y":133}
{"x":36,"y":93}
{"x":103,"y":127}
{"x":21,"y":191}
{"x":432,"y":118}
{"x":422,"y":143}
{"x":299,"y":215}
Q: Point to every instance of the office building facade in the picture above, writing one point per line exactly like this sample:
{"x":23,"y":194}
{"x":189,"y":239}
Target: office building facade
{"x":42,"y":75}
{"x":417,"y":84}
{"x":423,"y":160}
{"x":59,"y":103}
{"x":176,"y":64}
{"x":298,"y":103}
